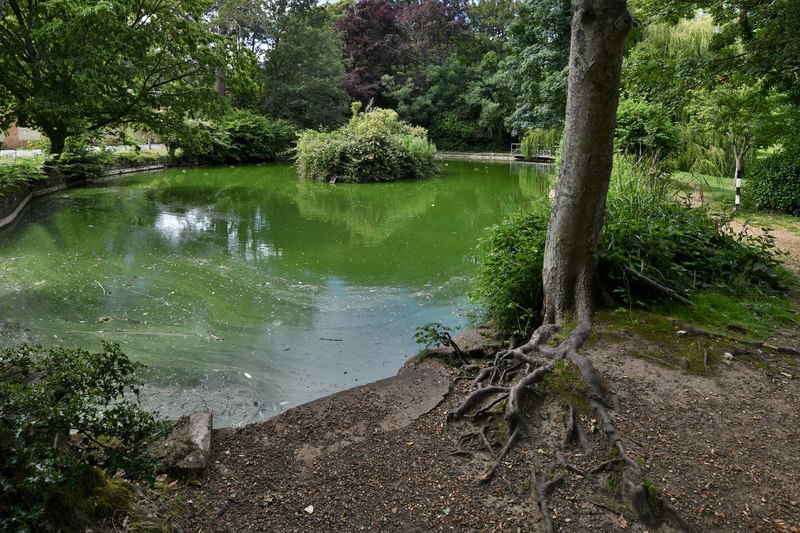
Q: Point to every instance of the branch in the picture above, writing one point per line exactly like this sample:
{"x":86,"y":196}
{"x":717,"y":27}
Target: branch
{"x":666,"y":291}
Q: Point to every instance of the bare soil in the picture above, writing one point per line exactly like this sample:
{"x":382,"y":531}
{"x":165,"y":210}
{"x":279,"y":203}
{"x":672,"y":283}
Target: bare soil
{"x":722,"y":445}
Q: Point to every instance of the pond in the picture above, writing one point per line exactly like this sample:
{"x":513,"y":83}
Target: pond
{"x":246,"y":290}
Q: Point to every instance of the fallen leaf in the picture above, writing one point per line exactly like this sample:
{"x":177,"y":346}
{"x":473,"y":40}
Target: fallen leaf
{"x":622,"y":522}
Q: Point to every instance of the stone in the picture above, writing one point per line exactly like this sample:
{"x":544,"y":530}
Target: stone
{"x":187,"y":448}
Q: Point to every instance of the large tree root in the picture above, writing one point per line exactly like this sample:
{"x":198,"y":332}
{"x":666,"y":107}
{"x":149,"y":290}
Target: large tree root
{"x":510,"y":377}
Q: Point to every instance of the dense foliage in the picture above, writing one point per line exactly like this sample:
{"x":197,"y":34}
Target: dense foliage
{"x":66,"y":414}
{"x":541,"y":142}
{"x":774,"y":182}
{"x":74,"y":66}
{"x":18,"y":173}
{"x":536,"y":64}
{"x":373,"y":146}
{"x":239,"y":137}
{"x":476,"y":75}
{"x":508,"y":285}
{"x":81,"y":161}
{"x":644,"y":128}
{"x":306,"y":73}
{"x":686,"y":249}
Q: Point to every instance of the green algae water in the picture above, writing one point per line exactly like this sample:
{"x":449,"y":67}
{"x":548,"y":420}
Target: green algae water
{"x":246,"y":290}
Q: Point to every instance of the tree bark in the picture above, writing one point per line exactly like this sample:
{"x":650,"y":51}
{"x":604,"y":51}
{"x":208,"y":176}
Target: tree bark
{"x":739,"y":152}
{"x":599,"y":29}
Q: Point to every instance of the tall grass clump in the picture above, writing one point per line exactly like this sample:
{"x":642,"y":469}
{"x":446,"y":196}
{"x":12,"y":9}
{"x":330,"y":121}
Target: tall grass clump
{"x":687,"y":249}
{"x":372,"y":146}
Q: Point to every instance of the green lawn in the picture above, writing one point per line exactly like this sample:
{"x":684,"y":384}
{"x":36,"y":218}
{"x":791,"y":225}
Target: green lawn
{"x":720,"y":192}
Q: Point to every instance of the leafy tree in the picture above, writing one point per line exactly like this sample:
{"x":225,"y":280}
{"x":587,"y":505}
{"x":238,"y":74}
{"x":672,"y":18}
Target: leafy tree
{"x":375,"y":44}
{"x":668,"y":61}
{"x":73,"y":66}
{"x":491,"y":18}
{"x":435,"y":29}
{"x":462,"y":104}
{"x":769,"y":36}
{"x":307,"y":71}
{"x":536,"y":66}
{"x":256,"y":30}
{"x":747,"y":113}
{"x":645,"y":128}
{"x":597,"y":43}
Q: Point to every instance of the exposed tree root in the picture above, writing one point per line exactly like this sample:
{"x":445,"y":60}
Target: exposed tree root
{"x":689,"y":329}
{"x":542,"y":491}
{"x":575,"y":432}
{"x":513,"y":373}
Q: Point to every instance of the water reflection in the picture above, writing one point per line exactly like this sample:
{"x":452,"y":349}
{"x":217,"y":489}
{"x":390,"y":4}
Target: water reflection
{"x":180,"y":227}
{"x":247,"y":290}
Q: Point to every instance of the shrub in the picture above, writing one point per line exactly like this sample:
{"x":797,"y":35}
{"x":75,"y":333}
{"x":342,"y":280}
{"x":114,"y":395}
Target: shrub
{"x":254,"y":138}
{"x":774,"y":182}
{"x":240,"y":137}
{"x":137,"y":158}
{"x":687,"y":249}
{"x":20,"y":172}
{"x":508,"y":284}
{"x":373,"y":146}
{"x":80,"y":160}
{"x":65,"y":416}
{"x":645,"y":128}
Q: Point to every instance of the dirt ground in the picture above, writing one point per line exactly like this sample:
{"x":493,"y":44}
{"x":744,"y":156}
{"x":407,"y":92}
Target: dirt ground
{"x":723,"y":446}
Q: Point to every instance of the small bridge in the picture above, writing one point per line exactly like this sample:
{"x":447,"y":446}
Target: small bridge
{"x":543,"y":154}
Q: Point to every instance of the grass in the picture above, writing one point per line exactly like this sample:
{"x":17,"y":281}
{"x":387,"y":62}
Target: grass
{"x":721,"y":191}
{"x":662,"y":342}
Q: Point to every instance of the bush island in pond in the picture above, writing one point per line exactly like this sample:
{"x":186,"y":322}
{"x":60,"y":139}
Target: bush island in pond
{"x":373,"y":146}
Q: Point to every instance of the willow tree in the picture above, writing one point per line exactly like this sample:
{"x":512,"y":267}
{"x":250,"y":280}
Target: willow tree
{"x":598,"y":32}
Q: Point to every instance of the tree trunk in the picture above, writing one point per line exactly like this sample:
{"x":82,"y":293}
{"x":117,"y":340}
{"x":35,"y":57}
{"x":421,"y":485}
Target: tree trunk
{"x":219,"y":83}
{"x":57,"y":142}
{"x":739,"y":153}
{"x":599,"y":29}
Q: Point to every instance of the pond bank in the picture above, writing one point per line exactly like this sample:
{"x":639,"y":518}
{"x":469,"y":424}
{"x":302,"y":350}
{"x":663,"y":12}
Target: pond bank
{"x":341,"y":463}
{"x":478,"y":156}
{"x":14,"y":202}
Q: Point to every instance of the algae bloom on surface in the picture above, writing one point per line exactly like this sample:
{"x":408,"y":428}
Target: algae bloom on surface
{"x":247,"y":290}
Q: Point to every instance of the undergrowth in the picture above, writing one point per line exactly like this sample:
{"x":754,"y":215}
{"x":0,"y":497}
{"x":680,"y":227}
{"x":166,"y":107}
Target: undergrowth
{"x":689,"y":250}
{"x":19,"y":172}
{"x":69,"y":422}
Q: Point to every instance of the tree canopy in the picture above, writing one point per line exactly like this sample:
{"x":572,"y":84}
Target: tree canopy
{"x":72,"y":66}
